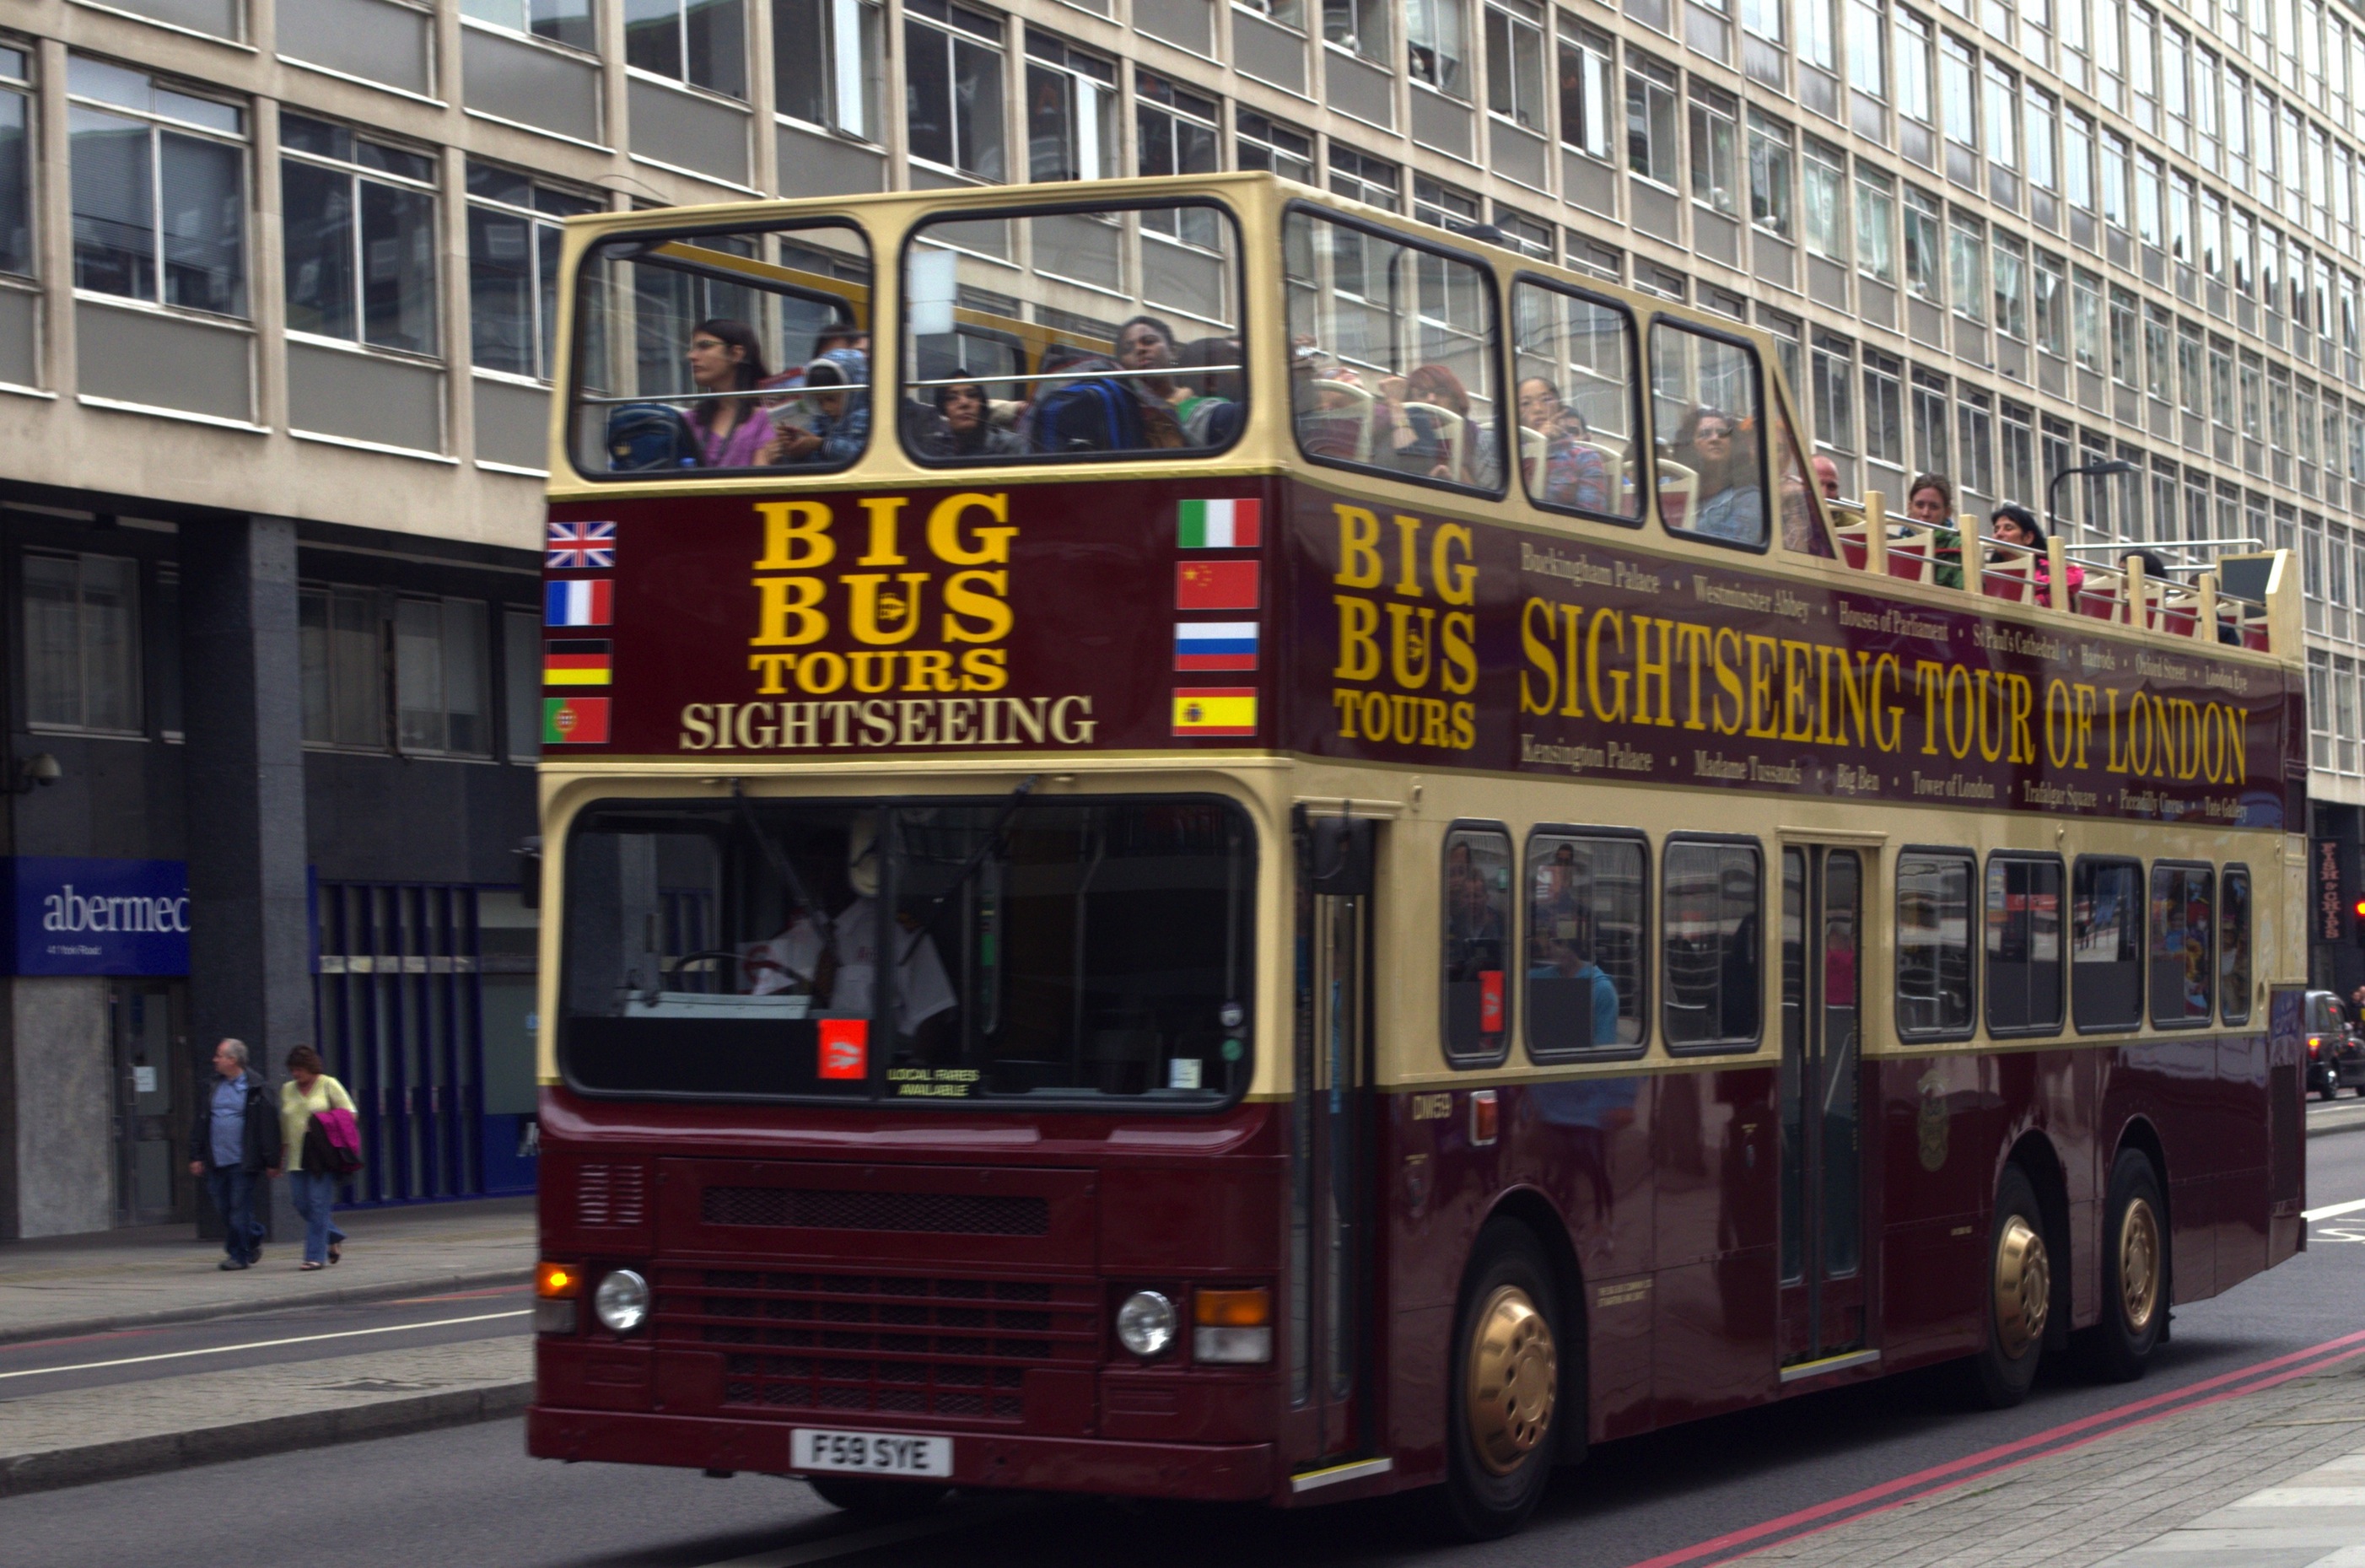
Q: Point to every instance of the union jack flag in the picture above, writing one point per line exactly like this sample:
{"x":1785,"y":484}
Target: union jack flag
{"x":582,"y":546}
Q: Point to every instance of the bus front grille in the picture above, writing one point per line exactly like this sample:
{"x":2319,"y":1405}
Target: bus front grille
{"x":946,"y":1213}
{"x":811,"y":1342}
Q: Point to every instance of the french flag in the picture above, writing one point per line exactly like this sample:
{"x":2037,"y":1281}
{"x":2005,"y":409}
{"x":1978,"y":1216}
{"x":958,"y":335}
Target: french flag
{"x":578,"y":602}
{"x":1215,"y":645}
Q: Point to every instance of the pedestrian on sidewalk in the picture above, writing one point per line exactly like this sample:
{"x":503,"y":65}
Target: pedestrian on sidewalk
{"x":237,"y":1143}
{"x":309,"y":1092}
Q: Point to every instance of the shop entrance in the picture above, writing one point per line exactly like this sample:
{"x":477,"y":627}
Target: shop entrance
{"x":154,"y":1077}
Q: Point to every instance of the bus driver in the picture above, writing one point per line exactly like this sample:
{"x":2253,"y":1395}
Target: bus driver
{"x":843,"y":985}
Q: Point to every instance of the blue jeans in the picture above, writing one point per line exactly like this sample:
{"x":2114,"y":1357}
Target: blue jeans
{"x":315,"y":1193}
{"x":233,"y":1195}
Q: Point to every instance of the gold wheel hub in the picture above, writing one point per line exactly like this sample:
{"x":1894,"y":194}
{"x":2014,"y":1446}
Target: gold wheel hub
{"x":1512,"y":1380}
{"x":2023,"y":1287}
{"x":2138,"y":1266}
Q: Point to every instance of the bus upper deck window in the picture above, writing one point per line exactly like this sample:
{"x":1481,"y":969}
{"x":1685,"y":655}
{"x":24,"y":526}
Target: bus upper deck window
{"x":699,"y":353}
{"x":1036,"y":336}
{"x":1392,"y":355}
{"x":1579,"y":402}
{"x":1705,"y":416}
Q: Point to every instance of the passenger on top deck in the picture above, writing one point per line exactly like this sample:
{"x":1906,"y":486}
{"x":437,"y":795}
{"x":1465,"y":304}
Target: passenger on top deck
{"x":1575,"y":472}
{"x":1728,"y":503}
{"x":725,"y":356}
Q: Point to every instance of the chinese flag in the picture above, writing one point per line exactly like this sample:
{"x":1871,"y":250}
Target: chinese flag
{"x":1215,"y":585}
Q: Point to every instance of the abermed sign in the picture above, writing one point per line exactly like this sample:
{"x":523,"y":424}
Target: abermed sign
{"x":77,"y":916}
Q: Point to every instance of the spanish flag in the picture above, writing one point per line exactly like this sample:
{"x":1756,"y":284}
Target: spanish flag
{"x":1215,"y":711}
{"x":577,"y":661}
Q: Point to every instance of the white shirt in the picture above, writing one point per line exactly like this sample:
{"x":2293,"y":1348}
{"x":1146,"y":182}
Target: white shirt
{"x":922,"y":988}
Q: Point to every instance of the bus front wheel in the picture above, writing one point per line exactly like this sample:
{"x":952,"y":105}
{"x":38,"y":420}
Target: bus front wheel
{"x":1503,"y":1412}
{"x":2018,"y":1295}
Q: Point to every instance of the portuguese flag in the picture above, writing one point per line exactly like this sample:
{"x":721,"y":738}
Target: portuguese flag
{"x":575,"y":720}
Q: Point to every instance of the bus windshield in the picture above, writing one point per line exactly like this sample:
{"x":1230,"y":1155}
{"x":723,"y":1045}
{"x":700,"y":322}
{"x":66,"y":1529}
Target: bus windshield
{"x":910,"y":950}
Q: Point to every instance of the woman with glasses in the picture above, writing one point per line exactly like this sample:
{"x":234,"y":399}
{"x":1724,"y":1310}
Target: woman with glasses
{"x":1713,"y":444}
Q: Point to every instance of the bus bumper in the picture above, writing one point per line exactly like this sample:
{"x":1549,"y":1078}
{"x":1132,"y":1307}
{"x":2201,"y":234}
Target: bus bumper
{"x":1196,"y":1472}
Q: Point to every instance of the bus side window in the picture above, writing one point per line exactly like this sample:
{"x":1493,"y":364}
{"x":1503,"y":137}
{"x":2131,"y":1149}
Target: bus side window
{"x":1580,"y":411}
{"x":2234,"y":945}
{"x":1712,"y":943}
{"x":1477,"y":943}
{"x":2024,"y":945}
{"x":2184,"y":958}
{"x":1933,"y":943}
{"x":2106,"y":943}
{"x":1587,"y":942}
{"x":1706,"y":418}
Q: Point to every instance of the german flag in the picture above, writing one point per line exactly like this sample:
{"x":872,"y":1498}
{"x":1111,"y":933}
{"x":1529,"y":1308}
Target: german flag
{"x":578,"y":661}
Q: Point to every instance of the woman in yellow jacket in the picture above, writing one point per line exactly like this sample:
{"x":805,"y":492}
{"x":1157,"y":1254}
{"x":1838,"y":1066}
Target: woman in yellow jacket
{"x":308,"y":1090}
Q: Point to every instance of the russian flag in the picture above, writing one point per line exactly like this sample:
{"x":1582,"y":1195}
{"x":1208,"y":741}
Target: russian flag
{"x":1215,"y":644}
{"x":578,"y":602}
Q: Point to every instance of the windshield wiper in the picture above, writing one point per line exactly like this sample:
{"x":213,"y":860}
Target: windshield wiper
{"x":969,"y":868}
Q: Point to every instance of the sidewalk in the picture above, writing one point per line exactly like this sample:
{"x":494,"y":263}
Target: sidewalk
{"x":121,"y":1279}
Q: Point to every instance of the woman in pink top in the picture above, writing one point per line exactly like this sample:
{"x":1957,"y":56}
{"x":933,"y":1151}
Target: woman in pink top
{"x":725,"y":357}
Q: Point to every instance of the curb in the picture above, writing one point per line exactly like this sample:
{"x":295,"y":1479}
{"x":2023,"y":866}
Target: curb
{"x":2345,"y":1124}
{"x":23,"y":1473}
{"x":348,"y":1295}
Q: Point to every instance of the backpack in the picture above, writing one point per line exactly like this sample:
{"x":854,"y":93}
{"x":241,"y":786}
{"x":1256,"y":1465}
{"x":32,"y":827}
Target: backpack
{"x":1091,"y":415}
{"x":649,"y":436}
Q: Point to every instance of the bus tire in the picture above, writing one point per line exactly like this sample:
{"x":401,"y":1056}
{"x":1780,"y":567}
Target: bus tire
{"x":2135,"y":1272}
{"x":1503,"y":1413}
{"x":872,"y":1499}
{"x":2018,"y":1296}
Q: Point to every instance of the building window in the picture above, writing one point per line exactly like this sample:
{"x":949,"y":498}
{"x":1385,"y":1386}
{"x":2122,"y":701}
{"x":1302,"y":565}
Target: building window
{"x":359,"y":217}
{"x":1933,"y":445}
{"x":522,"y":684}
{"x":1650,"y":135}
{"x":1912,"y":67}
{"x":2078,"y":160}
{"x":1359,"y":26}
{"x":1585,"y":74}
{"x":513,"y":240}
{"x":1769,"y":175}
{"x":15,"y":166}
{"x":2086,"y":318}
{"x":2052,"y":303}
{"x":1515,"y":64}
{"x":1433,"y":201}
{"x":2037,"y":138}
{"x":344,"y":656}
{"x":1832,"y":369}
{"x":1437,"y":44}
{"x":1924,"y":242}
{"x":1884,"y":411}
{"x":1824,"y":172}
{"x":702,"y":43}
{"x":1967,"y":253}
{"x":2002,"y":101}
{"x":952,"y":87}
{"x":1716,"y":134}
{"x":2009,"y":270}
{"x":129,"y":238}
{"x":1070,"y":111}
{"x":2018,"y":481}
{"x":1958,"y":95}
{"x":561,"y":21}
{"x":1361,"y":177}
{"x":1175,"y":129}
{"x":1530,"y":237}
{"x":1269,"y":145}
{"x":826,"y":63}
{"x":1867,"y":49}
{"x":1876,"y":207}
{"x":82,"y":641}
{"x":439,"y":675}
{"x":1975,"y":446}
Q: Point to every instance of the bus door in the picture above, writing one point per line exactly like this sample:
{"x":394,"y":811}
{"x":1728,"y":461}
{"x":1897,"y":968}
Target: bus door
{"x":1331,"y":1138}
{"x":1823,"y":1288}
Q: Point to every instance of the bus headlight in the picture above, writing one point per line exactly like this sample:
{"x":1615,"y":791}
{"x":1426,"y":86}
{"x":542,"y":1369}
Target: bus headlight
{"x":621,"y":1302}
{"x":1145,"y":1324}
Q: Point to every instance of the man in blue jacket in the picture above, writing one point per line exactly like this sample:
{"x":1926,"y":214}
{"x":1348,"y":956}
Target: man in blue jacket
{"x":236,"y":1145}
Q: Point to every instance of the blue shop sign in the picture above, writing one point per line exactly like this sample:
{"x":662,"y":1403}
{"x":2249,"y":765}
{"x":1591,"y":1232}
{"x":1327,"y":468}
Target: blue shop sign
{"x":78,"y":916}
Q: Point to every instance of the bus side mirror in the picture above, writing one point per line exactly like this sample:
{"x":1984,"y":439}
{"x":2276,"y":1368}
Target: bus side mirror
{"x":529,"y":859}
{"x":1340,"y":855}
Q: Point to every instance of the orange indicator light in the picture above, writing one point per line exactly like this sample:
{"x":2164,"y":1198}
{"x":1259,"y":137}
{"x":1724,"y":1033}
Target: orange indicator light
{"x":557,"y":1282}
{"x":1233,"y":1309}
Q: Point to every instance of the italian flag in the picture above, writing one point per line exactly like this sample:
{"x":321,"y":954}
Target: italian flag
{"x":1219,"y":525}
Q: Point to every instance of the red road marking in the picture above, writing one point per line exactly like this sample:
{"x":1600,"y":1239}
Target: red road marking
{"x":2069,"y":1435}
{"x":518,"y":1289}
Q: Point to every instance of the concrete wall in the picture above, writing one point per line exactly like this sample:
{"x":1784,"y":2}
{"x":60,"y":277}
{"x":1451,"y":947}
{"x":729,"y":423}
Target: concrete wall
{"x":65,"y":1105}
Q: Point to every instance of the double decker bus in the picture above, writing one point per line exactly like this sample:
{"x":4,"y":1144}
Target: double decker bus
{"x":1203,"y":843}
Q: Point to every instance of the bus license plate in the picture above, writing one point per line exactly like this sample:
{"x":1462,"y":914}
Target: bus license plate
{"x":870,"y":1454}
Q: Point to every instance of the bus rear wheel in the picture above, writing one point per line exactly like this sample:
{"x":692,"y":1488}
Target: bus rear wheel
{"x":2020,"y":1295}
{"x":2135,"y":1272}
{"x":1503,"y":1412}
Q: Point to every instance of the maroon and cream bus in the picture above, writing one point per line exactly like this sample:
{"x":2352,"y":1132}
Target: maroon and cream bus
{"x":1173,"y":875}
